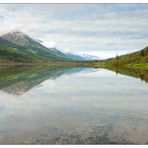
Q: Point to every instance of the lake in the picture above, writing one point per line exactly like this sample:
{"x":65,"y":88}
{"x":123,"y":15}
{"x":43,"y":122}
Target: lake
{"x":55,"y":105}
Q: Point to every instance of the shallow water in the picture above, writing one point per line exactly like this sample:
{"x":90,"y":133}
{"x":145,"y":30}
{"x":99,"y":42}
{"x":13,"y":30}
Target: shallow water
{"x":72,"y":106}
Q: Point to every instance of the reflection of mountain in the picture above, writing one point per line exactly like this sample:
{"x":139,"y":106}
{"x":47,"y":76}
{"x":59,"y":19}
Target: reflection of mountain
{"x":16,"y":80}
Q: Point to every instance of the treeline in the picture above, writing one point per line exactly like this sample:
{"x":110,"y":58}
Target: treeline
{"x":140,"y":57}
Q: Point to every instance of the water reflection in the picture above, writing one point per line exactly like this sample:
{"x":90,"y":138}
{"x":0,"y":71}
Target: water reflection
{"x":19,"y":79}
{"x":136,"y":73}
{"x":71,"y":106}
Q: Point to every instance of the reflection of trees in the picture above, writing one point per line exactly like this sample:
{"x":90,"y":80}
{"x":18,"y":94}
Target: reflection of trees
{"x":19,"y":79}
{"x":137,"y":73}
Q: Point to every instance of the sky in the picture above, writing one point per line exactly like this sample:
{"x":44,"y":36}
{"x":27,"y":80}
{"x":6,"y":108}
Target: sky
{"x":103,"y":30}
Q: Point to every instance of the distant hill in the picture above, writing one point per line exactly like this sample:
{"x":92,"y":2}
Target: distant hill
{"x":139,"y":57}
{"x":18,"y":47}
{"x":135,"y":60}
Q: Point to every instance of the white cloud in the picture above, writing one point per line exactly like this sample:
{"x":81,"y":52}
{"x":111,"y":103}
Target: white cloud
{"x":80,"y":28}
{"x":49,"y":43}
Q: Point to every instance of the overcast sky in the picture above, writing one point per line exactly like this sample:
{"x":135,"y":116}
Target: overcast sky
{"x":97,"y":29}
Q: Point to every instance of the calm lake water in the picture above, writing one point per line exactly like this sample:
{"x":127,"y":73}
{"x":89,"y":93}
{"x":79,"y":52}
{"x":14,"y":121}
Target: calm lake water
{"x":72,"y":106}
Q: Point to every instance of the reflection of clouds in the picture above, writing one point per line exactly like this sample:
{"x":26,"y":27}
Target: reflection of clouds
{"x":80,"y":71}
{"x":99,"y":104}
{"x":2,"y":107}
{"x":48,"y":84}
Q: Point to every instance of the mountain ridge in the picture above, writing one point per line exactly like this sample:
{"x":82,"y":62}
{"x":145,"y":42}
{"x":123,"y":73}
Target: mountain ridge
{"x":17,"y":37}
{"x":18,"y":41}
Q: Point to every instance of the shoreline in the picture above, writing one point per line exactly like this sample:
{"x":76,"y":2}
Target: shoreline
{"x":64,"y":64}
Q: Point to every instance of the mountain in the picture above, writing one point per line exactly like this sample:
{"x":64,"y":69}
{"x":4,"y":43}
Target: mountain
{"x":18,"y":47}
{"x":89,"y":57}
{"x":73,"y":56}
{"x":28,"y":45}
{"x":80,"y":57}
{"x":18,"y":38}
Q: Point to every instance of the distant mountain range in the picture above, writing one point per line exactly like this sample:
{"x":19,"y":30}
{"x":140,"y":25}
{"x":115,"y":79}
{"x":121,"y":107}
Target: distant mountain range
{"x":18,"y":47}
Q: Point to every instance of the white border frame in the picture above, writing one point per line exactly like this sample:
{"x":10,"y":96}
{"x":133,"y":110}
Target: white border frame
{"x":73,"y":1}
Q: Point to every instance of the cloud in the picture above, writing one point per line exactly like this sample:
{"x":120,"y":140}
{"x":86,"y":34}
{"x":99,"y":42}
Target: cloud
{"x":80,"y":27}
{"x":49,"y":44}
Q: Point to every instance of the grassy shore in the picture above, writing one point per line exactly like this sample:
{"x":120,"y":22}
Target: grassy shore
{"x":56,"y":64}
